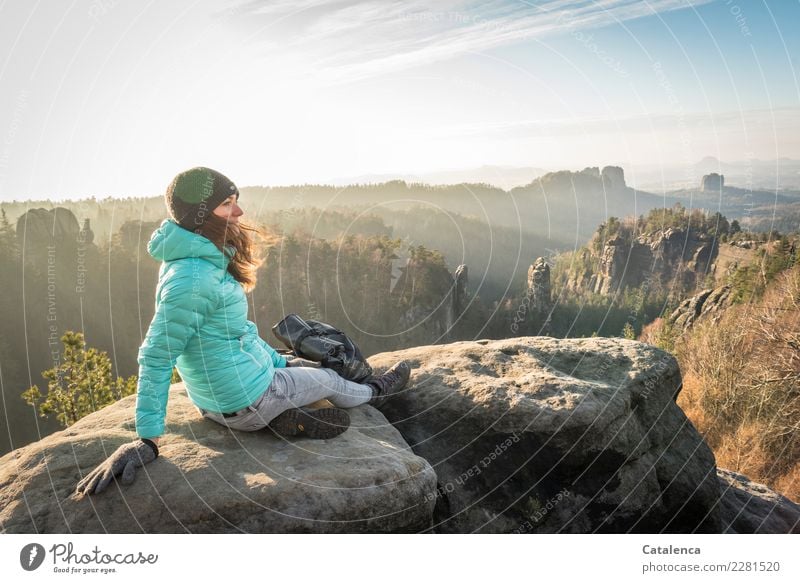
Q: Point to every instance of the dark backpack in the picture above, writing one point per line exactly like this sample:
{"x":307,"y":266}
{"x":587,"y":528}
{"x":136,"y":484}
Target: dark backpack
{"x":325,"y":344}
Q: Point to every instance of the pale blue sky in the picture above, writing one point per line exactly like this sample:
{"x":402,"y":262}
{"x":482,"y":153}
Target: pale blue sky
{"x":110,"y":97}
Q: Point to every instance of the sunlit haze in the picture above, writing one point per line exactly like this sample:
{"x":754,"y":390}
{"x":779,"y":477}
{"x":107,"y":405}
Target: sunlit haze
{"x":104,"y":98}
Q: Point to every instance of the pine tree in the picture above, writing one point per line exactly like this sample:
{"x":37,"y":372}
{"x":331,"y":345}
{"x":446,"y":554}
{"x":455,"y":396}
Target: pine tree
{"x":628,"y":331}
{"x":81,"y":384}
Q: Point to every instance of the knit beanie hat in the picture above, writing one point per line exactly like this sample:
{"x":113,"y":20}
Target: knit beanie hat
{"x":195,"y":193}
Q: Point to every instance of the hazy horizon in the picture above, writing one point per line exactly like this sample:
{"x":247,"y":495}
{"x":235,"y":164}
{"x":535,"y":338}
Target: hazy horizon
{"x":658,"y":180}
{"x":111,"y":99}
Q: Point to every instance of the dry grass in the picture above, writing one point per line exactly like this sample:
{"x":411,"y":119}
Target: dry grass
{"x":744,"y":447}
{"x":742,"y":385}
{"x":789,"y":483}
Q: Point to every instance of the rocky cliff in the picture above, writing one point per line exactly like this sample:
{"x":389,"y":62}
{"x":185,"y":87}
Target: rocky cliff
{"x":529,"y":434}
{"x":678,"y":258}
{"x":731,"y":257}
{"x":675,"y":255}
{"x":708,"y":303}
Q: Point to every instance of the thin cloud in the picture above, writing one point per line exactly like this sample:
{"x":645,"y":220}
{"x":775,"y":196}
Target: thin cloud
{"x":349,"y":41}
{"x":785,"y":117}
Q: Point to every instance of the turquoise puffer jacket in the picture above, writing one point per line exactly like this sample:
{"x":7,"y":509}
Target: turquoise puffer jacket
{"x":201,"y":327}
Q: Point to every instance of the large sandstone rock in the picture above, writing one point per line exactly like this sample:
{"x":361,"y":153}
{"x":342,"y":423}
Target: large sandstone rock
{"x":209,"y":479}
{"x":747,"y":507}
{"x":546,"y":435}
{"x":529,"y":434}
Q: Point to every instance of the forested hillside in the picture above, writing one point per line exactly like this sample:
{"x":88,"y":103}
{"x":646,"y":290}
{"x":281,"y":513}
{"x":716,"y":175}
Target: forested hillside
{"x":723,"y":299}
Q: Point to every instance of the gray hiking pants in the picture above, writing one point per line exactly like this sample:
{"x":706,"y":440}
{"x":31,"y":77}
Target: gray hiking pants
{"x":291,"y":388}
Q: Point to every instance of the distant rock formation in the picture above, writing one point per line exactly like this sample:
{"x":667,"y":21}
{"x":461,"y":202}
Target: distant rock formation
{"x":460,"y":283}
{"x":431,"y":313}
{"x":708,"y":303}
{"x":531,"y":434}
{"x":613,"y":177}
{"x":592,"y":195}
{"x":436,"y":314}
{"x":135,"y":234}
{"x":86,"y":235}
{"x":539,"y":292}
{"x":670,"y":256}
{"x":612,"y":265}
{"x":40,"y":227}
{"x":712,"y":182}
{"x":458,"y":296}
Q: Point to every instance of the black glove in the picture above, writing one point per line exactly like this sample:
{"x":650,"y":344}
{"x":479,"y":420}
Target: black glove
{"x":124,"y":461}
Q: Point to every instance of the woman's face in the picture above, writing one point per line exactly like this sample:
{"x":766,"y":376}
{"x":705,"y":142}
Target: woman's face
{"x":229,"y":210}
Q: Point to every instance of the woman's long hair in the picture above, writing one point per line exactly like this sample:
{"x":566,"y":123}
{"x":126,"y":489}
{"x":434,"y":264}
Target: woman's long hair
{"x":246,"y":261}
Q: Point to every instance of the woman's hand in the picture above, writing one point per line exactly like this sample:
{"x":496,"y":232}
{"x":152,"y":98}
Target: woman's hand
{"x":122,"y":462}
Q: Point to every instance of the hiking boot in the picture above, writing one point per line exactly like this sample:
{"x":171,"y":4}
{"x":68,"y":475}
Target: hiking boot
{"x":323,"y":423}
{"x":389,"y":383}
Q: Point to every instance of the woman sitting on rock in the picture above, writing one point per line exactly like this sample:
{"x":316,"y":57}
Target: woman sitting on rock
{"x":201,"y":327}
